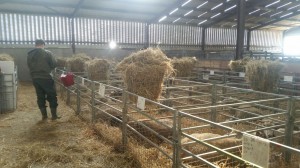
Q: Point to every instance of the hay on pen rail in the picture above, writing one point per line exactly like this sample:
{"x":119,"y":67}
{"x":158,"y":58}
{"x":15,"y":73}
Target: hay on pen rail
{"x":183,"y":66}
{"x":61,"y":62}
{"x":76,"y":62}
{"x":263,"y":75}
{"x":143,"y":72}
{"x":6,"y":57}
{"x":97,"y":69}
{"x":239,"y":65}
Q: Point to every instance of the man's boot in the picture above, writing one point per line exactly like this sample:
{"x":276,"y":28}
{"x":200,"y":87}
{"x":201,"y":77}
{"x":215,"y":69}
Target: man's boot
{"x":54,"y":114}
{"x":44,"y":113}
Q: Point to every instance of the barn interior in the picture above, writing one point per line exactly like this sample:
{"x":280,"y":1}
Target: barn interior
{"x":173,"y":83}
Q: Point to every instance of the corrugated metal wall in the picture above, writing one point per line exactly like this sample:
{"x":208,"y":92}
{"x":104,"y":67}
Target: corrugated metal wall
{"x":175,"y":36}
{"x":24,"y":29}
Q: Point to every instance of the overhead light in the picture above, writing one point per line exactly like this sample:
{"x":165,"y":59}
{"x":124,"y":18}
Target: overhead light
{"x":254,"y":11}
{"x":202,"y":4}
{"x":202,"y":14}
{"x":272,"y":3}
{"x":217,"y":6}
{"x":176,"y":20}
{"x":264,"y":13}
{"x":229,"y":8}
{"x":286,"y":15}
{"x":186,"y":2}
{"x":188,"y":12}
{"x":215,"y":15}
{"x":202,"y":22}
{"x":284,"y":5}
{"x":293,"y":7}
{"x":275,"y":14}
{"x":112,"y":45}
{"x":163,"y":18}
{"x":173,"y":11}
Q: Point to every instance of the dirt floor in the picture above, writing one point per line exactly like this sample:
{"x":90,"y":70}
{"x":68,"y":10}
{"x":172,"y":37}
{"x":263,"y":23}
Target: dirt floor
{"x":25,"y":141}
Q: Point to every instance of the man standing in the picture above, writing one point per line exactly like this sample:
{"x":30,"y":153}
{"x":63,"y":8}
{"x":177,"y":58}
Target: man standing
{"x":40,"y":63}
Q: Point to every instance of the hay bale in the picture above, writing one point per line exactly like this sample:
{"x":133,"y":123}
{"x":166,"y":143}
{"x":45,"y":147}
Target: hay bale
{"x":197,"y":148}
{"x":184,"y":66}
{"x":61,"y":62}
{"x":97,"y":69}
{"x":143,"y":72}
{"x":239,"y":65}
{"x":76,"y":62}
{"x":6,"y":57}
{"x":263,"y":75}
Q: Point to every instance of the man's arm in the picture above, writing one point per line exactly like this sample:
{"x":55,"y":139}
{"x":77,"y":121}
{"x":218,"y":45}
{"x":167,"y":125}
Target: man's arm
{"x":51,"y":60}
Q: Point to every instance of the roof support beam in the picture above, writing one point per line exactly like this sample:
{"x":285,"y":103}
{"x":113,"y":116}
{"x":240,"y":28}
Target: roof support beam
{"x":240,"y":30}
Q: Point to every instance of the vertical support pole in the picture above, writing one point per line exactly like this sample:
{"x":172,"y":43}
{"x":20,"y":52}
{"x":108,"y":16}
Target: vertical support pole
{"x":248,"y":39}
{"x":177,"y":140}
{"x":289,"y":127}
{"x":147,"y":39}
{"x":168,"y":94}
{"x":213,"y":102}
{"x":78,"y":109}
{"x":203,"y":40}
{"x":93,"y":102}
{"x":240,"y":30}
{"x":73,"y":35}
{"x":68,"y":96}
{"x":124,"y":120}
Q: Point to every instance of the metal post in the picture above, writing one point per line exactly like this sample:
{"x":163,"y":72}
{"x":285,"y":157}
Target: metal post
{"x":124,"y":120}
{"x":248,"y":39}
{"x":289,"y":128}
{"x":240,"y":30}
{"x":68,"y":96}
{"x":147,"y":41}
{"x":213,"y":102}
{"x":73,"y":35}
{"x":203,"y":40}
{"x":78,"y":98}
{"x":177,"y":145}
{"x":93,"y":101}
{"x":168,"y":94}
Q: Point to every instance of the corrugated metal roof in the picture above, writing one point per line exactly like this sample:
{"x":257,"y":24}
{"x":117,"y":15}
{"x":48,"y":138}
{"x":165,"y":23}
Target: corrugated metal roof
{"x":268,"y":14}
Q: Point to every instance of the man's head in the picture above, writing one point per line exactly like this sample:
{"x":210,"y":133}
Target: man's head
{"x":39,"y":43}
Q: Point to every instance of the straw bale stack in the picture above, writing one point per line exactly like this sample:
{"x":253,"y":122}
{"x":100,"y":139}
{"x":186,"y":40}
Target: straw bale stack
{"x":197,"y":148}
{"x":97,"y":69}
{"x":239,"y":65}
{"x":6,"y":57}
{"x":143,"y":72}
{"x":76,"y":62}
{"x":184,"y":66}
{"x":61,"y":62}
{"x":263,"y":75}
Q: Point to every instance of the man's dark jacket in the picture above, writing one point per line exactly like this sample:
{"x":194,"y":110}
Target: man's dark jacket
{"x":40,"y":62}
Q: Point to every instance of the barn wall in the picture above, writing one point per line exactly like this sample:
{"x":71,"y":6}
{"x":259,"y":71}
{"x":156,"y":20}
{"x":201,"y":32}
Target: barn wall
{"x":20,"y":55}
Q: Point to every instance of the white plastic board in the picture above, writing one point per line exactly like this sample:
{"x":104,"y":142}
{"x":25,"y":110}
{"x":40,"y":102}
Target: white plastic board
{"x":82,"y":81}
{"x":256,"y":150}
{"x":242,"y":74}
{"x":102,"y":90}
{"x":288,"y":78}
{"x":141,"y":103}
{"x":7,"y":67}
{"x":211,"y":72}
